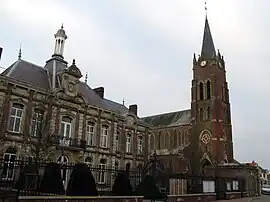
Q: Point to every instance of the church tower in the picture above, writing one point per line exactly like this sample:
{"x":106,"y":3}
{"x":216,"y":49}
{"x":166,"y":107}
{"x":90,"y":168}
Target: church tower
{"x":210,"y":107}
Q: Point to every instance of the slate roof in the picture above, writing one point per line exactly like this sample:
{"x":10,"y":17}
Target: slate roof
{"x":29,"y":73}
{"x":208,"y":48}
{"x":169,"y":119}
{"x":37,"y":76}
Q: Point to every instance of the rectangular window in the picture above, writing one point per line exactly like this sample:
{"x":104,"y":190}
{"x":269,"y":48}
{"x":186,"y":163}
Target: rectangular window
{"x":128,"y":143}
{"x":65,"y":131}
{"x":229,"y":186}
{"x":90,"y":134}
{"x":140,"y":145}
{"x":117,"y":142}
{"x":101,"y":173}
{"x":15,"y":118}
{"x":208,"y":186}
{"x":9,"y":166}
{"x":36,"y":123}
{"x":235,"y":185}
{"x":104,"y":137}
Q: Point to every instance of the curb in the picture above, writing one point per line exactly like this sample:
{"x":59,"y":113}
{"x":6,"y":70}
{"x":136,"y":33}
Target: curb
{"x":253,"y":199}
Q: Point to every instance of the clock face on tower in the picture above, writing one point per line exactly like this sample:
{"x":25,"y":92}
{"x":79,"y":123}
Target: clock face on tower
{"x":203,"y":63}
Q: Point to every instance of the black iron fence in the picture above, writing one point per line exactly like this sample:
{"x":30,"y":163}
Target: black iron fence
{"x":11,"y":171}
{"x":14,"y":179}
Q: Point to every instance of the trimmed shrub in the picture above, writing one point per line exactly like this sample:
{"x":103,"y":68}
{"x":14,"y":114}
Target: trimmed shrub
{"x":52,"y":180}
{"x":149,"y":189}
{"x":122,"y":186}
{"x":29,"y":178}
{"x":81,"y":182}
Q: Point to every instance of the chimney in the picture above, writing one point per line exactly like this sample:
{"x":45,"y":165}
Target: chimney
{"x":133,"y":109}
{"x":1,"y":50}
{"x":100,"y":91}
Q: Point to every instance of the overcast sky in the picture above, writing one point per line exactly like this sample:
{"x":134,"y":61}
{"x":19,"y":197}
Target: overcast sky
{"x":141,"y":50}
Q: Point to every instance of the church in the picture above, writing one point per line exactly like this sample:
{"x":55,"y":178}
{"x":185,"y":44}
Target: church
{"x":190,"y":139}
{"x":48,"y":112}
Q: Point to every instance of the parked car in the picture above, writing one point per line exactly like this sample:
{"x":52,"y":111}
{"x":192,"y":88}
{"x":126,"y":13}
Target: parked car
{"x":266,"y":189}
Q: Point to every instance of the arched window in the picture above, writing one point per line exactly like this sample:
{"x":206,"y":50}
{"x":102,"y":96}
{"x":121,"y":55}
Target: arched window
{"x":15,"y":119}
{"x":90,"y":133}
{"x":88,"y":161}
{"x":175,"y":139}
{"x":204,"y":164}
{"x":101,"y":171}
{"x":186,"y":139}
{"x":183,"y":139}
{"x":208,"y":113}
{"x":128,"y":143}
{"x":201,"y":114}
{"x":152,"y":142}
{"x":159,"y":140}
{"x":179,"y":138}
{"x":63,"y":160}
{"x":166,"y":141}
{"x":201,"y":92}
{"x":208,"y":90}
{"x":9,"y":164}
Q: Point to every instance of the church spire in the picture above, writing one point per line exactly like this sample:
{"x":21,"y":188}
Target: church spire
{"x":208,"y":48}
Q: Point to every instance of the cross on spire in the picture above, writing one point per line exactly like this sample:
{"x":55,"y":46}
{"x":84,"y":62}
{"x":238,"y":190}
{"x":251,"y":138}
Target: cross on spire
{"x":20,"y":52}
{"x":205,"y":8}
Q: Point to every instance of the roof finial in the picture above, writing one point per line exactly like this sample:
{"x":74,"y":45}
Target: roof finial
{"x":62,"y":26}
{"x":73,"y":62}
{"x":205,"y":8}
{"x":20,"y":52}
{"x":123,"y":101}
{"x":86,"y":77}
